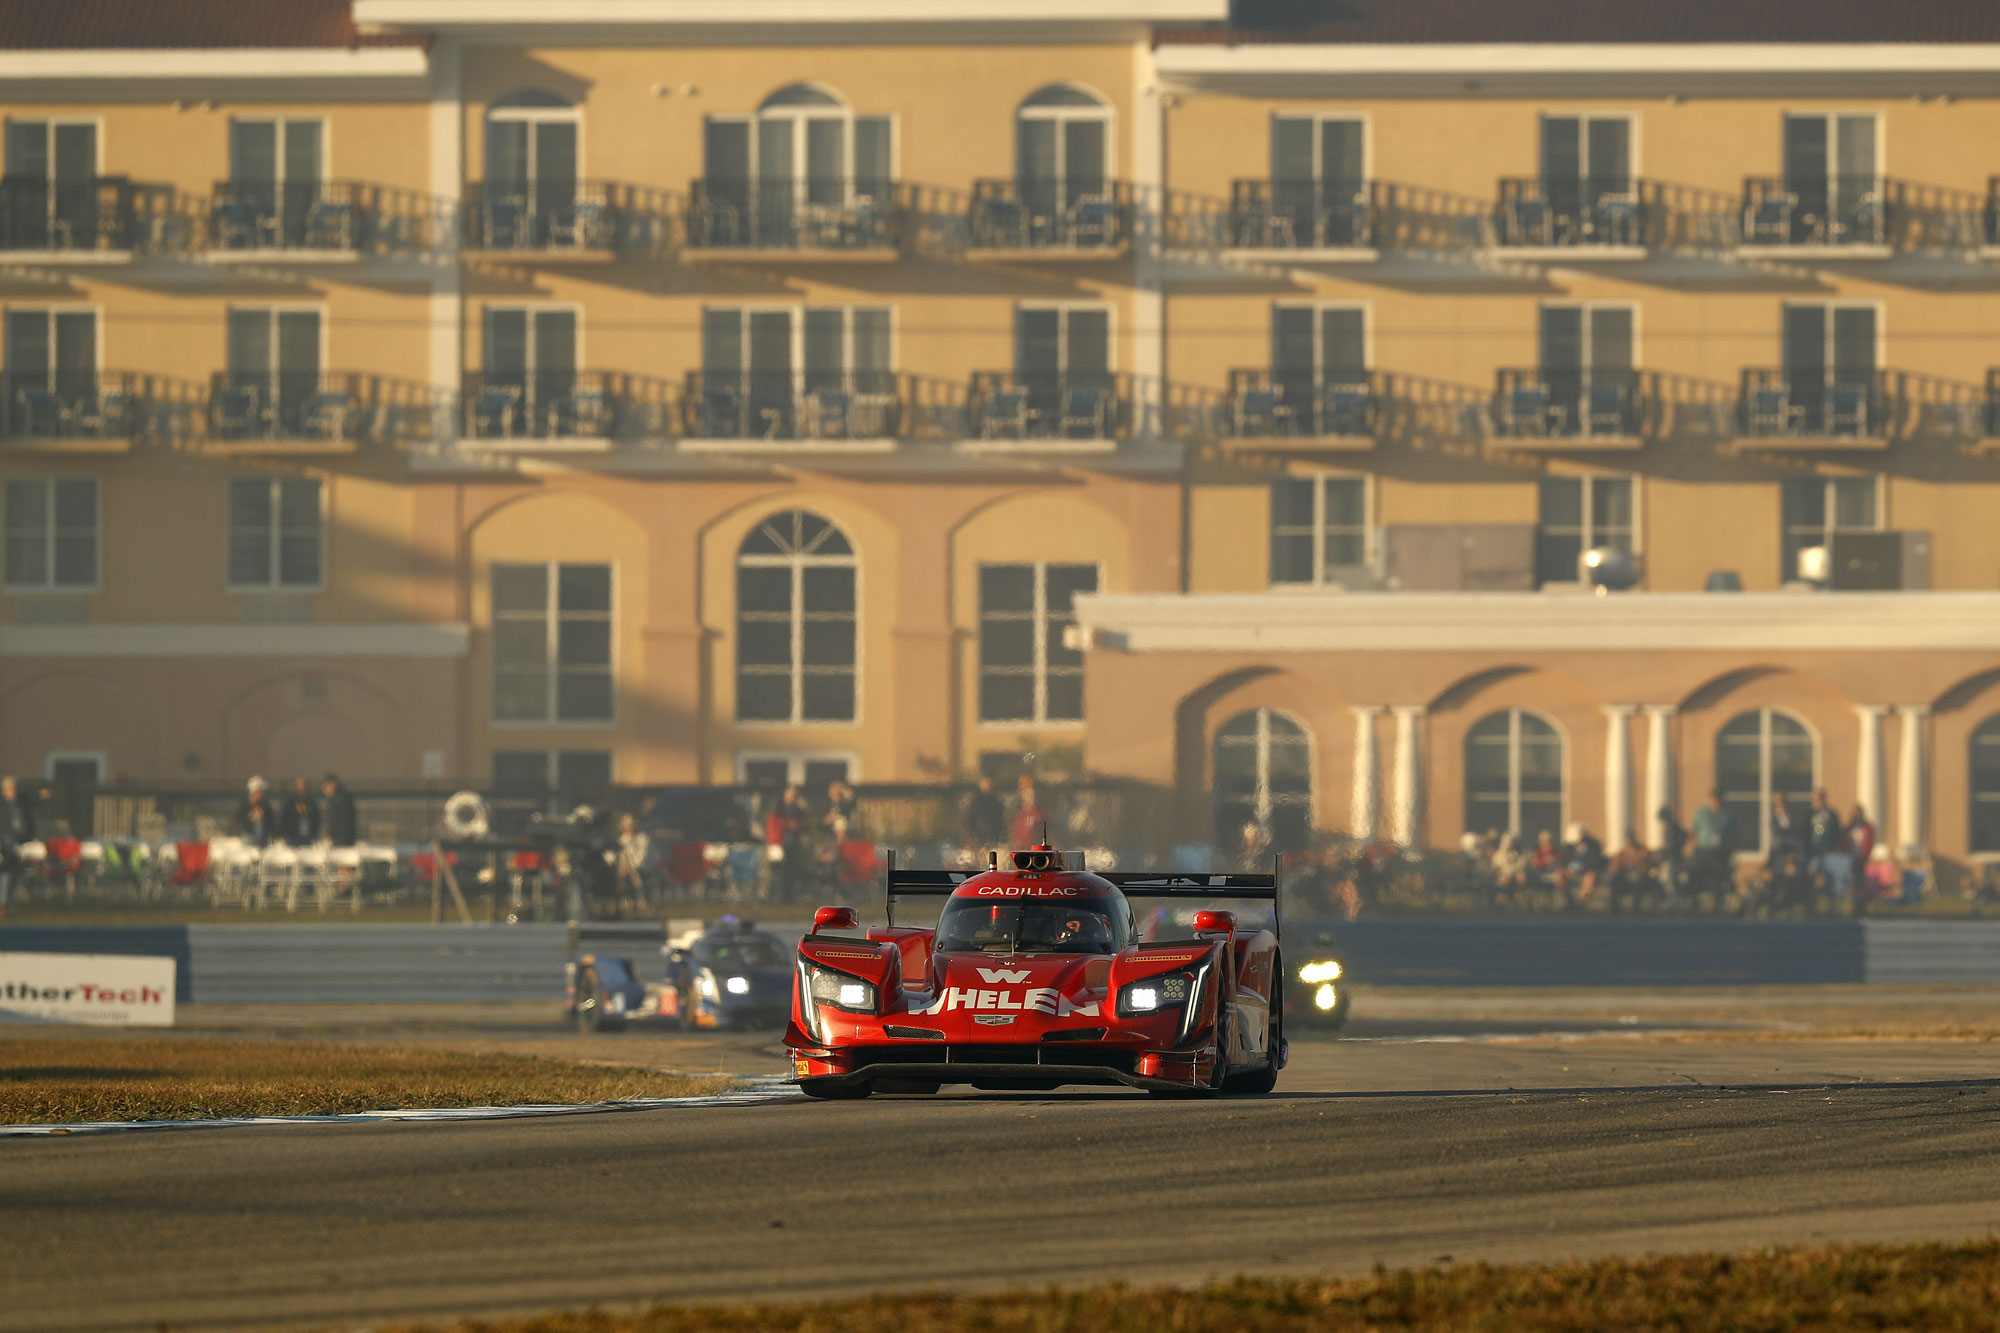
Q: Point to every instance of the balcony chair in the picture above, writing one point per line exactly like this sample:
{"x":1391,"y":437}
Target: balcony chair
{"x":1529,"y":222}
{"x":239,"y":413}
{"x":1093,"y":220}
{"x":1000,"y":224}
{"x":329,"y":226}
{"x":496,"y":412}
{"x":1259,"y":410}
{"x":1084,"y":409}
{"x":506,"y":224}
{"x":42,"y":413}
{"x":1616,"y":219}
{"x":1847,"y":409}
{"x":584,"y":413}
{"x":873,"y":416}
{"x":326,"y":415}
{"x":721,"y":411}
{"x":1007,"y":414}
{"x":240,"y":225}
{"x":720,"y":224}
{"x":1607,"y":410}
{"x":1768,"y":219}
{"x":1343,"y":409}
{"x":1526,"y":410}
{"x":827,"y":413}
{"x":1771,"y":412}
{"x":110,"y":414}
{"x":1348,"y":222}
{"x":1868,"y":221}
{"x":585,"y":225}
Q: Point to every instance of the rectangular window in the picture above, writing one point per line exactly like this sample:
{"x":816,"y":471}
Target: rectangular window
{"x":1833,"y":173}
{"x":1319,"y":364}
{"x":1830,"y":368}
{"x":50,"y":380}
{"x":275,"y":353}
{"x":788,"y":372}
{"x":51,"y":533}
{"x":1320,"y":530}
{"x":1319,"y":186}
{"x":1579,"y":514}
{"x":573,"y":776}
{"x":1026,"y":671}
{"x":1814,"y":508}
{"x":51,"y":185}
{"x":277,"y":537}
{"x":1585,"y":158}
{"x":276,"y":177}
{"x":1587,"y":354}
{"x":552,"y":643}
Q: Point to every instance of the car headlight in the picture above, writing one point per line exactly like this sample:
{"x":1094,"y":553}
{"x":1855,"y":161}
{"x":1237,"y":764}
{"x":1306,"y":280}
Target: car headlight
{"x":704,"y":985}
{"x":843,"y":991}
{"x":737,"y":985}
{"x":1326,"y":997}
{"x":1312,"y":973}
{"x":1155,"y":995}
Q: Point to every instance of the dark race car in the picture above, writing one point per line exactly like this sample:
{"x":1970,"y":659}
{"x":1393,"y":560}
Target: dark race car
{"x":1032,"y":979}
{"x":727,"y":975}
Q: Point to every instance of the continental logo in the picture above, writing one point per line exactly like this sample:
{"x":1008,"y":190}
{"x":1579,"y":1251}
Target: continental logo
{"x":842,"y":953}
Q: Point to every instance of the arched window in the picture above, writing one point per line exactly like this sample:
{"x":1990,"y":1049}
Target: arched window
{"x":1758,"y":755}
{"x":795,"y":621}
{"x":1263,"y":775}
{"x":1061,"y":154}
{"x":1985,"y":784}
{"x":1514,"y":775}
{"x":531,"y":168}
{"x":804,"y":169}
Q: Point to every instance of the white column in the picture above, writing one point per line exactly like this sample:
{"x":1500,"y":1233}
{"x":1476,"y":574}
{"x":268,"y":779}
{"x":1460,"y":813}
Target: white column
{"x":1869,"y":792}
{"x":1659,"y":772}
{"x":1365,"y":812}
{"x":1910,"y":781}
{"x":1407,"y":822}
{"x":1617,"y":775}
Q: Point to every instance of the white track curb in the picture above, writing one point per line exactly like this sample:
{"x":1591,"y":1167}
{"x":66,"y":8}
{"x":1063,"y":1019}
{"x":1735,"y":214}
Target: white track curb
{"x":759,"y":1090}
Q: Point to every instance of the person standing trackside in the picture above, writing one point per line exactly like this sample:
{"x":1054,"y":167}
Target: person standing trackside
{"x":337,"y":817}
{"x":17,"y":825}
{"x":298,"y":823}
{"x":1029,"y":821}
{"x":1713,"y":839}
{"x":254,"y":814}
{"x":1826,"y":834}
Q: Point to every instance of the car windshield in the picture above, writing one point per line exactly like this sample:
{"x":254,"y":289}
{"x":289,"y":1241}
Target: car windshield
{"x":738,"y":951}
{"x":971,"y":925}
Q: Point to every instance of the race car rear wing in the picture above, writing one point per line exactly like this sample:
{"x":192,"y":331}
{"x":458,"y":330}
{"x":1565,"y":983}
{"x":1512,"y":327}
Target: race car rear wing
{"x":1133,"y":884}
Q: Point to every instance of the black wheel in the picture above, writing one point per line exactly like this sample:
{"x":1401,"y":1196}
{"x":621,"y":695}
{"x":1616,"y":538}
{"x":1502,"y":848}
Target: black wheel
{"x":834,"y":1092}
{"x":1265,"y":1079}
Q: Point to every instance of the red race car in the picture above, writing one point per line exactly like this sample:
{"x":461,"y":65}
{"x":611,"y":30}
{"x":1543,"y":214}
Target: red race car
{"x":1032,"y":979}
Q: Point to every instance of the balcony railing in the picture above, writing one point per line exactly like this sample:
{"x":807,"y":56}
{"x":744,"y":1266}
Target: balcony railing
{"x":1572,"y":212}
{"x":1991,"y":213}
{"x":1032,"y":214}
{"x":1302,"y":214}
{"x":70,"y":217}
{"x":603,"y":405}
{"x":1811,"y":402}
{"x":323,"y":217}
{"x":815,"y":213}
{"x":1835,"y":211}
{"x":1300,"y":404}
{"x":76,"y":405}
{"x":1053,"y":406}
{"x":783,"y":405}
{"x":1568,"y":405}
{"x":1993,"y":404}
{"x":331,"y":407}
{"x":581,"y":217}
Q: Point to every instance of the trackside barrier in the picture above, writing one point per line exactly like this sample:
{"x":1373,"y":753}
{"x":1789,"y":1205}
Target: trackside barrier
{"x":470,"y":965}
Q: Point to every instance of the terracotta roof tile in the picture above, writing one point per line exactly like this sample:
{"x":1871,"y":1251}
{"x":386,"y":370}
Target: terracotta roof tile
{"x":27,"y":25}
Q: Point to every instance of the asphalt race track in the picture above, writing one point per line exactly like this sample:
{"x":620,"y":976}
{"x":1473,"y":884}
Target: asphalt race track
{"x":1392,"y":1152}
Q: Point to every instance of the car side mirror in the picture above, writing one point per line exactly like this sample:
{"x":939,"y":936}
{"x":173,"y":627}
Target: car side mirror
{"x":835,"y":918}
{"x":1214,"y":923}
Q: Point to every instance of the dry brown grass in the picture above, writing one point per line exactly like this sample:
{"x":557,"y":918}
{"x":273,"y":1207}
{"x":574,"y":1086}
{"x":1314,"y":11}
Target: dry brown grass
{"x":1831,"y":1290}
{"x":52,"y":1080}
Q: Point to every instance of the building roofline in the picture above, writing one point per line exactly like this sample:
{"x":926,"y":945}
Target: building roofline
{"x":1283,"y":621}
{"x":591,"y":17}
{"x":1690,"y":68}
{"x":211,"y":65}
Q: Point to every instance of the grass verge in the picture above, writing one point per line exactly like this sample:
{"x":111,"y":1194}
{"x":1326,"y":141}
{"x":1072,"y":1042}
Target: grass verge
{"x":54,"y":1080}
{"x":1829,"y":1290}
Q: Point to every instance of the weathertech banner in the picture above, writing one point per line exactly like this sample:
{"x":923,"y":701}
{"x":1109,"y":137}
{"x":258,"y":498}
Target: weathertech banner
{"x":117,"y":989}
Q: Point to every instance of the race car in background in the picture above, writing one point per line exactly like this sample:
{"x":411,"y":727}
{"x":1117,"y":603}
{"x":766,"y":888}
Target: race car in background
{"x":730,"y":974}
{"x":1032,"y":978}
{"x":1319,"y":994}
